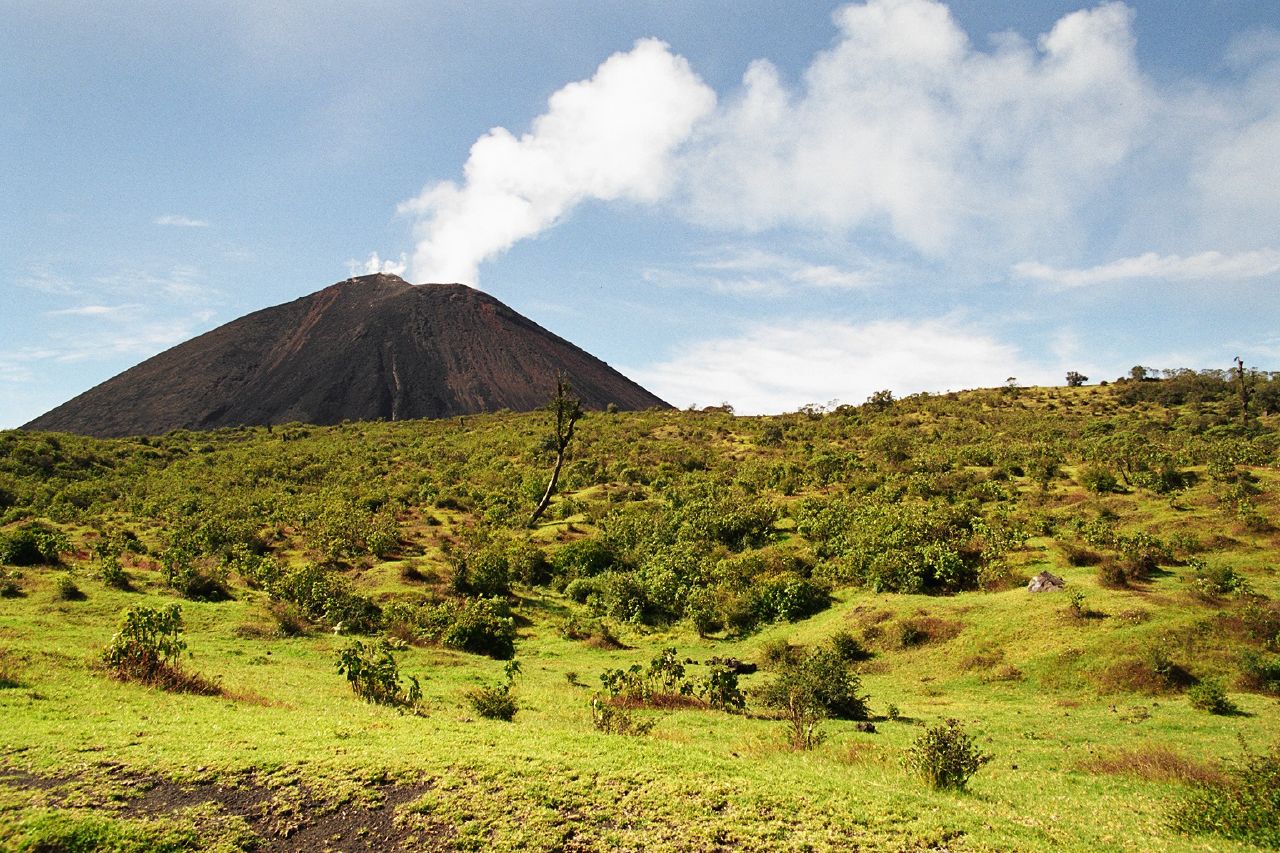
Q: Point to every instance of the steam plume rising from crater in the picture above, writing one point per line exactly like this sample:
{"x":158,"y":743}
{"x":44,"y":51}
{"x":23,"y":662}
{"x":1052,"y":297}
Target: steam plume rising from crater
{"x":609,"y":137}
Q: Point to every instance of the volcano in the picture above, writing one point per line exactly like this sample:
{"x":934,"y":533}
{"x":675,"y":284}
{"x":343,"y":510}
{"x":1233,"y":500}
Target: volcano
{"x":369,"y":348}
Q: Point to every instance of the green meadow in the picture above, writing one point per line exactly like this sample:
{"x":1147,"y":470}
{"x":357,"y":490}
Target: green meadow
{"x":1110,"y":711}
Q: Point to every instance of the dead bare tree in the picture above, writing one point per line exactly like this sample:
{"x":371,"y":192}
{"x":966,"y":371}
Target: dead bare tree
{"x":1243,"y":388}
{"x":567,"y":410}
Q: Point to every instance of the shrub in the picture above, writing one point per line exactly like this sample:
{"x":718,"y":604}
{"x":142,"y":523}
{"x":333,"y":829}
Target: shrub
{"x":1099,"y":480}
{"x":720,"y":689}
{"x":660,"y":683}
{"x":789,"y":597}
{"x":67,"y":590}
{"x":945,"y":756}
{"x":1259,"y":672}
{"x":809,"y":688}
{"x":1245,"y":807}
{"x":374,"y":675}
{"x":33,"y":544}
{"x":1208,"y":695}
{"x":326,"y":597}
{"x":848,"y":647}
{"x":147,"y":649}
{"x":1209,"y":582}
{"x":611,"y":718}
{"x":493,"y":703}
{"x":9,"y":586}
{"x":496,"y":702}
{"x":483,"y":626}
{"x":111,"y":573}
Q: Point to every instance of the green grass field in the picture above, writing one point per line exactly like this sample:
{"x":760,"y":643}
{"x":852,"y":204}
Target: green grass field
{"x":1090,"y":749}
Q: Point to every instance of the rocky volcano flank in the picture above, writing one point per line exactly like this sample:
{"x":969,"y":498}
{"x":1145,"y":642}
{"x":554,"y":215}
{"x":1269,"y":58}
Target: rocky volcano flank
{"x":373,"y":347}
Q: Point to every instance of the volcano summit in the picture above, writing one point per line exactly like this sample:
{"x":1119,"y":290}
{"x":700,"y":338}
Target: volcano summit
{"x":372,"y":347}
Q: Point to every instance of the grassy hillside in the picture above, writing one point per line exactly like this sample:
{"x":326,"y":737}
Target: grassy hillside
{"x":894,"y":538}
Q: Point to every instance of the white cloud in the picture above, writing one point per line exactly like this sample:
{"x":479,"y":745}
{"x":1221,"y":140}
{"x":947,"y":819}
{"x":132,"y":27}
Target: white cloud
{"x":105,"y":311}
{"x":747,"y":271}
{"x":903,"y":125}
{"x":610,"y":137}
{"x":179,"y":221}
{"x":782,"y":366}
{"x":1205,"y":266}
{"x":375,"y":264}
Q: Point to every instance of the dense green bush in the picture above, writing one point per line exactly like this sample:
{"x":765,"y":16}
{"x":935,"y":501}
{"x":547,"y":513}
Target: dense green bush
{"x":32,"y":544}
{"x":945,"y":756}
{"x":326,"y":597}
{"x":1209,"y":695}
{"x":482,"y":626}
{"x":149,"y":641}
{"x":809,"y":687}
{"x":496,"y":702}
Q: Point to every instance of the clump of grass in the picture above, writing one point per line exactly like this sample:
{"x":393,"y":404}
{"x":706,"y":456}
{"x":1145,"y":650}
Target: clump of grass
{"x":1244,"y":806}
{"x":10,"y":673}
{"x":1155,"y":762}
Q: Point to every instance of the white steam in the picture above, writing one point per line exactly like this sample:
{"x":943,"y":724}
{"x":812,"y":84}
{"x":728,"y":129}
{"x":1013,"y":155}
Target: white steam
{"x":610,"y":137}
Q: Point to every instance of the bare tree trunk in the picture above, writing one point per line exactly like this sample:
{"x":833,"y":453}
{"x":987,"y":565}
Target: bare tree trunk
{"x":568,"y":409}
{"x":1244,"y":390}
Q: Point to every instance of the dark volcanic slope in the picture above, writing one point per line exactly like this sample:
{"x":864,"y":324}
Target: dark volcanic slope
{"x":366,"y":348}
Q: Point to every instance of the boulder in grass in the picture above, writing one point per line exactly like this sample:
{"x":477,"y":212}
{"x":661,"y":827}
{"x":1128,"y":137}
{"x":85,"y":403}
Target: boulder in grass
{"x":1046,"y":582}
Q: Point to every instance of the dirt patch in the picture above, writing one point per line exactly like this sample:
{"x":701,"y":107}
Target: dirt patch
{"x":285,"y":817}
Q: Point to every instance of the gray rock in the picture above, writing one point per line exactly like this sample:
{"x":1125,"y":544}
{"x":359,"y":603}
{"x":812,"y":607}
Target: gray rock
{"x":1046,"y":582}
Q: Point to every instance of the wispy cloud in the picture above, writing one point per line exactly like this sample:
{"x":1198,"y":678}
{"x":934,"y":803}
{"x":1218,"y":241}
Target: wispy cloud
{"x":177,"y":220}
{"x":105,"y":311}
{"x":755,"y":272}
{"x":782,"y":366}
{"x":1205,"y":266}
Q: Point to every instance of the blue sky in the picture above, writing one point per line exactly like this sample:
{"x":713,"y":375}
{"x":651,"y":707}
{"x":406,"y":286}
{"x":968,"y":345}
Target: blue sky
{"x":765,"y":204}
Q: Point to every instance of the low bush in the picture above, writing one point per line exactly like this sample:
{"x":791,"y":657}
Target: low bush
{"x":663,"y":682}
{"x":614,"y":719}
{"x":325,"y":597}
{"x":493,"y":703}
{"x":147,"y":649}
{"x":482,"y":626}
{"x":945,"y":756}
{"x":811,"y":687}
{"x":720,"y":689}
{"x":496,"y":702}
{"x":1244,"y":807}
{"x":66,"y":589}
{"x":1209,"y":695}
{"x":32,"y":544}
{"x":374,"y":675}
{"x":1098,"y":479}
{"x":1260,"y":672}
